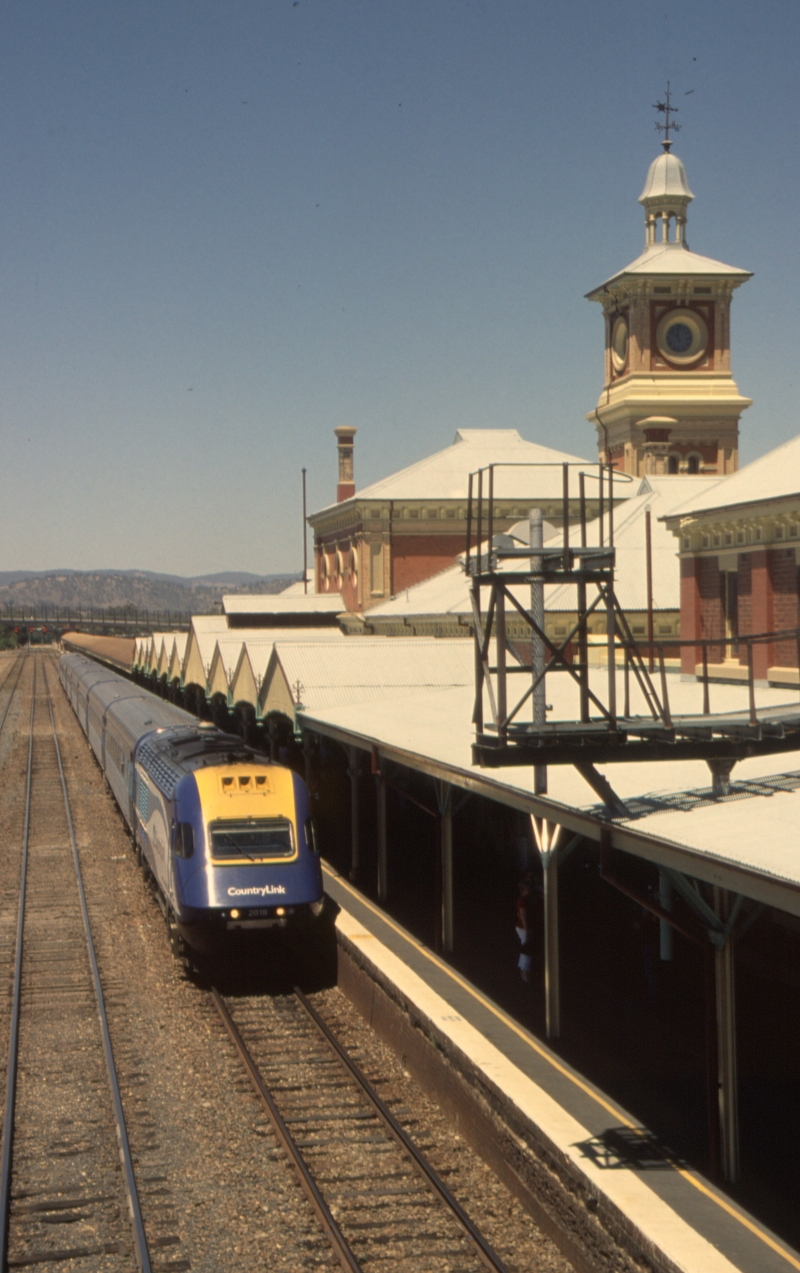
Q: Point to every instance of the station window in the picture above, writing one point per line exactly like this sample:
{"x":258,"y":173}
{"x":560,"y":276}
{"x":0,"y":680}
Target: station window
{"x":729,"y":595}
{"x":376,"y":568}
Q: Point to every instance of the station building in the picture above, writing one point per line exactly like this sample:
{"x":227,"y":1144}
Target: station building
{"x":647,"y":586}
{"x":739,"y":545}
{"x":374,"y":544}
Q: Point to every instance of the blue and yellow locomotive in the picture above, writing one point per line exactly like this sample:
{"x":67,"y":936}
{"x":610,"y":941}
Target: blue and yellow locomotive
{"x":225,"y":834}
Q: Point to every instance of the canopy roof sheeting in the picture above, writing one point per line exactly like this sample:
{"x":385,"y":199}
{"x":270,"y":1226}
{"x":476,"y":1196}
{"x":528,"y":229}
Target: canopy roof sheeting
{"x":257,"y":643}
{"x":166,"y":652}
{"x":746,"y":841}
{"x":155,"y":651}
{"x":297,"y":589}
{"x":279,"y":606}
{"x":178,"y":654}
{"x":362,"y":670}
{"x":203,"y":633}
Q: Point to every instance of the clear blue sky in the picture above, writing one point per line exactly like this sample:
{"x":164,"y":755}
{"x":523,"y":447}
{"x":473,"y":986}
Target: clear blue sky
{"x":226,"y":228}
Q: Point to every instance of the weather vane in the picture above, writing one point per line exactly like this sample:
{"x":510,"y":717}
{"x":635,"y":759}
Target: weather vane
{"x":666,"y":109}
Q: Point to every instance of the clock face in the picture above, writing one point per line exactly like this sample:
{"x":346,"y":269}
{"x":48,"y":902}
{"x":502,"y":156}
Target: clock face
{"x":679,"y":338}
{"x":619,"y":343}
{"x":682,"y":337}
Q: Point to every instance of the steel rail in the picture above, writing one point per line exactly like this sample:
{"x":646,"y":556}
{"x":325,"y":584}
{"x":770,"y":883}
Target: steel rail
{"x":13,"y":1040}
{"x":482,"y":1248}
{"x":18,"y":664}
{"x":139,"y":1238}
{"x":332,"y":1231}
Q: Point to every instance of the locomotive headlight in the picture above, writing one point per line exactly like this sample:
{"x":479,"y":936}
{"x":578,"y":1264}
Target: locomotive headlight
{"x":280,"y":910}
{"x":234,"y":913}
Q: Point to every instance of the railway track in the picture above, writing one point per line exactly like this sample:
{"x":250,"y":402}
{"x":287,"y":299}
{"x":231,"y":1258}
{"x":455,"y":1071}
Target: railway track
{"x":63,"y":1196}
{"x":376,"y":1196}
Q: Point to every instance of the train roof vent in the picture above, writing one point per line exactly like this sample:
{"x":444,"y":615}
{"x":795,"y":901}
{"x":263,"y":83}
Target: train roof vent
{"x":164,"y":773}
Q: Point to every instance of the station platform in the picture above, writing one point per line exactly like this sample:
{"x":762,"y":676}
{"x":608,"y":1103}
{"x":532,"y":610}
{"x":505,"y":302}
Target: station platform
{"x":602,"y":1178}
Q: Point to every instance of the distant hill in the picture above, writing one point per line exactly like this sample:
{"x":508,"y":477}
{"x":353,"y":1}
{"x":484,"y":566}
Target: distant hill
{"x":144,"y":589}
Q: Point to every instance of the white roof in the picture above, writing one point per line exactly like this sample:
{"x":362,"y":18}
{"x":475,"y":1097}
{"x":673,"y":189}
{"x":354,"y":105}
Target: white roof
{"x":259,"y":648}
{"x":283,"y":604}
{"x":445,"y":593}
{"x":661,"y":495}
{"x":445,"y":475}
{"x":362,"y":669}
{"x":673,"y":259}
{"x":773,"y":476}
{"x":296,"y":589}
{"x":448,"y":592}
{"x":670,"y":801}
{"x":209,"y":623}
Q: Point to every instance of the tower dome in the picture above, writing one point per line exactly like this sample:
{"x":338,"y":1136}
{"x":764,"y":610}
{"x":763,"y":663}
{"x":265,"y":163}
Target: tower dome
{"x":666,"y":179}
{"x":666,"y":195}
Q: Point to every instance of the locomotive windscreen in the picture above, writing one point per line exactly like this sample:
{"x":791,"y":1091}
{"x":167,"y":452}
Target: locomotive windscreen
{"x":256,"y":838}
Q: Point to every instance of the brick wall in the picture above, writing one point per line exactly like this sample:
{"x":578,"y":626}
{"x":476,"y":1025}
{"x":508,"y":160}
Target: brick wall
{"x":415,"y":558}
{"x":712,"y":618}
{"x":745,"y":575}
{"x":763,"y":615}
{"x":785,"y":603}
{"x":768,"y":601}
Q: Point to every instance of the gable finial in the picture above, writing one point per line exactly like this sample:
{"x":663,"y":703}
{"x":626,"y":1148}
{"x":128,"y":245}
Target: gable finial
{"x":666,"y":109}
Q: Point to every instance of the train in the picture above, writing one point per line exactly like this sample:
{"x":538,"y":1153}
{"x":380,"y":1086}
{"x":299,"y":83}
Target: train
{"x":224,"y":835}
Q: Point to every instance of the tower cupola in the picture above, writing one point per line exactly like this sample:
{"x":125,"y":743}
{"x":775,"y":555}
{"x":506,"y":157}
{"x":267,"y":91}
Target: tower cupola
{"x":665,"y":198}
{"x":669,"y":403}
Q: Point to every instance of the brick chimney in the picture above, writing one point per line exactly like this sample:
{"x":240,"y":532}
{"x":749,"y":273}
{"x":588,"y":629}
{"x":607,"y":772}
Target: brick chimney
{"x":346,"y":487}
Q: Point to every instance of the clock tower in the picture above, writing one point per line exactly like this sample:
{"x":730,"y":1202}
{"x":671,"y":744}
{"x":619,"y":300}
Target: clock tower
{"x":669,"y":402}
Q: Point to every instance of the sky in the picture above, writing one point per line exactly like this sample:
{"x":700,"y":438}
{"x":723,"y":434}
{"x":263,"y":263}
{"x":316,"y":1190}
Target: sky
{"x":227,"y":228}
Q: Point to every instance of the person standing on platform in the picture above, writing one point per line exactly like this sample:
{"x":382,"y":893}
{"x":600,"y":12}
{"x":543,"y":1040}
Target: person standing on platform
{"x":524,"y":928}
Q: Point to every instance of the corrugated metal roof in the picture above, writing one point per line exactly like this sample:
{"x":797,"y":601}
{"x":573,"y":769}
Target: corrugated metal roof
{"x":755,"y":828}
{"x":258,"y":649}
{"x":281,"y":604}
{"x":445,"y":475}
{"x":296,"y":589}
{"x":773,"y":476}
{"x":209,"y":623}
{"x":365,"y":670}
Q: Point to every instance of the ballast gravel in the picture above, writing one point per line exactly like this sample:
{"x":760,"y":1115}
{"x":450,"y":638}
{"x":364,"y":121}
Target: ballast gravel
{"x":216,"y":1192}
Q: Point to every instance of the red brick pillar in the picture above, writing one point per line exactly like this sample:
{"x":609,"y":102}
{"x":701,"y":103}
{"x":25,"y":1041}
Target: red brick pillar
{"x":690,"y":615}
{"x":763,"y":609}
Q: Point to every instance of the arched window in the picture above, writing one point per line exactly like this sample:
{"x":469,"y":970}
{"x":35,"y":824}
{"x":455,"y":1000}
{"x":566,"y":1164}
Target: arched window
{"x":693,"y":464}
{"x":672,"y":463}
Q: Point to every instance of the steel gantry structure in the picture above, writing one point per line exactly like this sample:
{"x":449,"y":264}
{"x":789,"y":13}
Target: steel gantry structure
{"x":508,"y":575}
